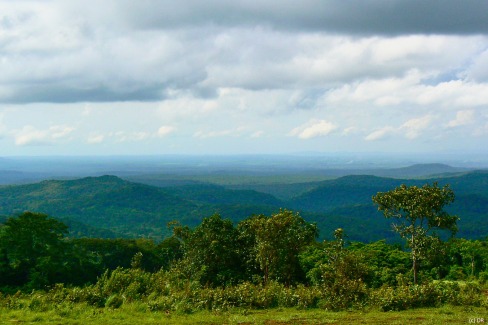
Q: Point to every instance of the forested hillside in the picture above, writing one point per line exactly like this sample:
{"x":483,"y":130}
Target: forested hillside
{"x":350,"y":197}
{"x":110,"y":207}
{"x":127,"y":209}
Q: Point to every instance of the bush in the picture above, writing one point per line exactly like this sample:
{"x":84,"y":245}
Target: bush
{"x":38,"y":303}
{"x":456,"y":273}
{"x":114,"y":301}
{"x":344,"y":294}
{"x":427,"y":295}
{"x":483,"y":277}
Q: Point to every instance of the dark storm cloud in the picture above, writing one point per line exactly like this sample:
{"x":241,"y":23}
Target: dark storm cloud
{"x":385,"y":17}
{"x":64,"y":94}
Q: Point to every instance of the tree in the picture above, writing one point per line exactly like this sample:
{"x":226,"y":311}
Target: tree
{"x":471,"y":253}
{"x":279,"y":240}
{"x":211,"y":251}
{"x":33,"y":248}
{"x":418,"y":212}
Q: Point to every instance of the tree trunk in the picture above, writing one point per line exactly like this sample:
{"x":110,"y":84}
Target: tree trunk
{"x":472,"y":265}
{"x":414,"y":259}
{"x":266,"y":275}
{"x":415,"y":267}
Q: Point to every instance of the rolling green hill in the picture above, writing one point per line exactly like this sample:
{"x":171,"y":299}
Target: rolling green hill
{"x":350,"y":196}
{"x":105,"y":202}
{"x":110,"y":207}
{"x":118,"y":207}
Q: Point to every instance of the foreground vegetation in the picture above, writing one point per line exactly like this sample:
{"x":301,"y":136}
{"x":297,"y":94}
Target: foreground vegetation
{"x":226,"y":271}
{"x":137,"y":313}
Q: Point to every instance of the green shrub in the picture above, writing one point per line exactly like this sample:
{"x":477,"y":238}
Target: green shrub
{"x":456,"y":273}
{"x":114,"y":301}
{"x":164,"y":303}
{"x":471,"y":295}
{"x":344,"y":294}
{"x":15,"y":301}
{"x":427,"y":295}
{"x":483,"y":277}
{"x":38,"y":303}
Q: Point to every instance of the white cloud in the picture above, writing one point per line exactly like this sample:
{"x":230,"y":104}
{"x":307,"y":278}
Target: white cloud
{"x":410,"y":129}
{"x":237,"y":132}
{"x":30,"y":135}
{"x":165,"y":130}
{"x":462,"y":118}
{"x":313,"y":128}
{"x":123,"y":136}
{"x":350,"y":130}
{"x":59,"y":131}
{"x":128,"y":73}
{"x":95,"y":138}
{"x":478,"y":71}
{"x":380,"y":133}
{"x":411,"y":89}
{"x":414,"y":127}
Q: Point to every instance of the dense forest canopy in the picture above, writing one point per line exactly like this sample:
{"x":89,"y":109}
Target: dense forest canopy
{"x":110,"y":207}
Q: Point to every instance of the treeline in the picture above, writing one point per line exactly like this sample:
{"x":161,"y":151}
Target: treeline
{"x":263,"y":261}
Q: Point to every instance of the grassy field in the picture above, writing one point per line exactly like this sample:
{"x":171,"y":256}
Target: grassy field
{"x":137,"y":313}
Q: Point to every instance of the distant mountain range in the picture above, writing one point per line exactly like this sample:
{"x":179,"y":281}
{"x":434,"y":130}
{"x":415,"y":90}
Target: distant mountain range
{"x":108,"y":206}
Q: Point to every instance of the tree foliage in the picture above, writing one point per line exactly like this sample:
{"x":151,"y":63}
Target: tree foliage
{"x":33,"y":249}
{"x":211,"y":251}
{"x":279,"y":239}
{"x":418,"y":212}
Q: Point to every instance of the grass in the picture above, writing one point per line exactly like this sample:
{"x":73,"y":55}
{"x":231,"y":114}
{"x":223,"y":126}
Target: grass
{"x":137,"y":313}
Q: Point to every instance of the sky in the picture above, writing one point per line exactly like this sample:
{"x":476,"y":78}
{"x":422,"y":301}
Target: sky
{"x":147,"y":77}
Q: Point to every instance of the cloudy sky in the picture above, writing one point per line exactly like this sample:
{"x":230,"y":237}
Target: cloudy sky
{"x":225,"y":77}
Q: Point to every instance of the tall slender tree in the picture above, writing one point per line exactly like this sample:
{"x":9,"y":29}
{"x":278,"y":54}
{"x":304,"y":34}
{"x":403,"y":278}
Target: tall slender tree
{"x":418,"y":212}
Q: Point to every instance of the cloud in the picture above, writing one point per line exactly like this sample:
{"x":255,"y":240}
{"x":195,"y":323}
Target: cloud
{"x":95,"y":138}
{"x":410,"y":129}
{"x":462,"y":118}
{"x":357,"y":17}
{"x":165,"y":130}
{"x":478,"y":70}
{"x":350,"y":130}
{"x":30,"y":136}
{"x":57,"y":132}
{"x":128,"y":72}
{"x":129,"y":136}
{"x":237,"y":132}
{"x":412,"y":89}
{"x":380,"y":133}
{"x":414,"y":127}
{"x":313,"y":128}
{"x":257,"y":134}
{"x":82,"y":51}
